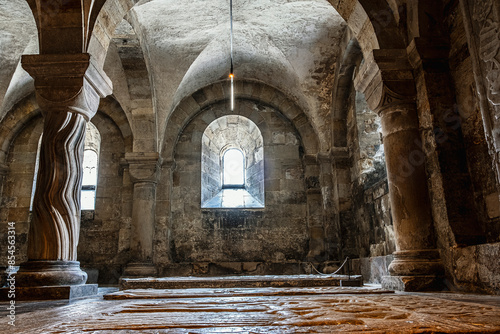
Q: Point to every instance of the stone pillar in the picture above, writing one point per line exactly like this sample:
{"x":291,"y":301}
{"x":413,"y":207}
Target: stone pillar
{"x":387,"y":82}
{"x":144,"y":169}
{"x":68,"y":90}
{"x":314,"y":210}
{"x":330,"y":203}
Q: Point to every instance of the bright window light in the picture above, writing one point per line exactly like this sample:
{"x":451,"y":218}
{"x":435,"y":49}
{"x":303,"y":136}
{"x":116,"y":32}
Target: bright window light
{"x":89,"y":168}
{"x":89,"y":181}
{"x":233,"y":168}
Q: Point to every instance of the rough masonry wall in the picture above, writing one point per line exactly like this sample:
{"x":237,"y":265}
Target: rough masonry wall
{"x":16,"y":195}
{"x":105,"y":233}
{"x":474,"y":267}
{"x":241,"y":240}
{"x":367,"y":228}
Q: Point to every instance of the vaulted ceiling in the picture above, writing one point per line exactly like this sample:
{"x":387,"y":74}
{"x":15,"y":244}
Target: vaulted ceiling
{"x":165,"y":50}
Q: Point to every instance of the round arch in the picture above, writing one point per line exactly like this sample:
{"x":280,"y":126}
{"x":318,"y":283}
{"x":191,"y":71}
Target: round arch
{"x":27,"y":110}
{"x":260,"y":93}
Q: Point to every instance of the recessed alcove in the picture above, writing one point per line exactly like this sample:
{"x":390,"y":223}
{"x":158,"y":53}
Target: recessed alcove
{"x":232,"y":165}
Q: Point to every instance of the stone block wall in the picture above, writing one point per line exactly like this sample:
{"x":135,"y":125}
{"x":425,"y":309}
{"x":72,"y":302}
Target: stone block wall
{"x":367,"y":230}
{"x":105,"y":233}
{"x":17,"y":189}
{"x":275,"y":234}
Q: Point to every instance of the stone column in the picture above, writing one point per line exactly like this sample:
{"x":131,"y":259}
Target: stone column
{"x":314,"y":210}
{"x":68,"y":90}
{"x":330,"y":203}
{"x":387,"y":82}
{"x":144,"y":169}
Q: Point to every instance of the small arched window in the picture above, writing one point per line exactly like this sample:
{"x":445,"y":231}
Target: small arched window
{"x":89,"y":181}
{"x":233,"y":169}
{"x":232,"y":164}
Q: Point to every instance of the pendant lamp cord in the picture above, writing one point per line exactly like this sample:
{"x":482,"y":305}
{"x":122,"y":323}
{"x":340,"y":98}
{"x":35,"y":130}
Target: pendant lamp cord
{"x":231,"y":74}
{"x":231,"y":19}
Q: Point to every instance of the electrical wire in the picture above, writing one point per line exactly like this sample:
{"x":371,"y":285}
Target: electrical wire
{"x":231,"y":73}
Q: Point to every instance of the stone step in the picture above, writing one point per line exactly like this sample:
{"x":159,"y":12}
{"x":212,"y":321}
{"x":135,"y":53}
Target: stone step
{"x":240,"y":281}
{"x":201,"y":293}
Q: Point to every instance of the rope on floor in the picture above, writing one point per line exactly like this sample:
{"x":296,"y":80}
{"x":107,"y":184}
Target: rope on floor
{"x":334,"y":273}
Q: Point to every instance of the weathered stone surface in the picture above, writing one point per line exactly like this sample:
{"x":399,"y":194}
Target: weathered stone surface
{"x":267,"y":310}
{"x":239,"y":281}
{"x":60,"y":292}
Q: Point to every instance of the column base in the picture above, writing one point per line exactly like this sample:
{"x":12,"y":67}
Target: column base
{"x":50,"y":273}
{"x":413,"y":283}
{"x":139,"y":270}
{"x":64,"y":292}
{"x":420,"y":262}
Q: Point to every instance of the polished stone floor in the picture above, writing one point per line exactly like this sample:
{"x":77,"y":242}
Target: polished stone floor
{"x":366,"y":309}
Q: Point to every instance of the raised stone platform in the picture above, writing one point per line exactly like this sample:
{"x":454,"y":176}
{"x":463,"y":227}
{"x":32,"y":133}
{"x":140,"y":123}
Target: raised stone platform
{"x":241,"y":292}
{"x":66,"y":292}
{"x":240,"y":281}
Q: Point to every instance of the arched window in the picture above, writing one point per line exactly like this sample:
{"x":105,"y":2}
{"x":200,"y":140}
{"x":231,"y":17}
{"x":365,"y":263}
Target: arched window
{"x":232,"y":164}
{"x":89,"y":181}
{"x":90,"y":168}
{"x":233,"y":169}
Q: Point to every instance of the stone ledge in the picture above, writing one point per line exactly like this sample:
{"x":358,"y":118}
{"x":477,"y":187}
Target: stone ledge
{"x":209,"y":269}
{"x":240,"y":281}
{"x":66,"y":292}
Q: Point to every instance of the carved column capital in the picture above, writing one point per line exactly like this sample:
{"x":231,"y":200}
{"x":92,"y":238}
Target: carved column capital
{"x":67,"y":83}
{"x":386,"y":79}
{"x":143,"y":166}
{"x":324,"y":157}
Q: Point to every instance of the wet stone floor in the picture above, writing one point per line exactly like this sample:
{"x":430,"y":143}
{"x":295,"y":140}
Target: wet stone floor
{"x":260,"y":310}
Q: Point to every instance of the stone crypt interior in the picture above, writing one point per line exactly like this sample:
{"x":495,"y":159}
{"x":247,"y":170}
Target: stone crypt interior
{"x":366,"y":130}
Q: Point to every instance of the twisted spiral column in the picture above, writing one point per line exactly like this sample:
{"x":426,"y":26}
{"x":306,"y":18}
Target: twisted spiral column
{"x":68,"y":89}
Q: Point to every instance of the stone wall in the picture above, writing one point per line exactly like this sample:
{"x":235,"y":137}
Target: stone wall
{"x":275,"y":234}
{"x":367,"y":231}
{"x":17,"y":188}
{"x":474,"y":266}
{"x":105,"y":233}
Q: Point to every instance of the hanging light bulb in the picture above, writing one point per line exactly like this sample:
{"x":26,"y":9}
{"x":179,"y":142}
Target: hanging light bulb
{"x":231,"y":75}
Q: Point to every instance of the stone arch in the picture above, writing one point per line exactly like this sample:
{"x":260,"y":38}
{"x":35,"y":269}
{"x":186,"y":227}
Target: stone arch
{"x":27,"y":109}
{"x":343,"y":88}
{"x":109,"y":107}
{"x":19,"y":116}
{"x":247,"y":90}
{"x":139,"y":84}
